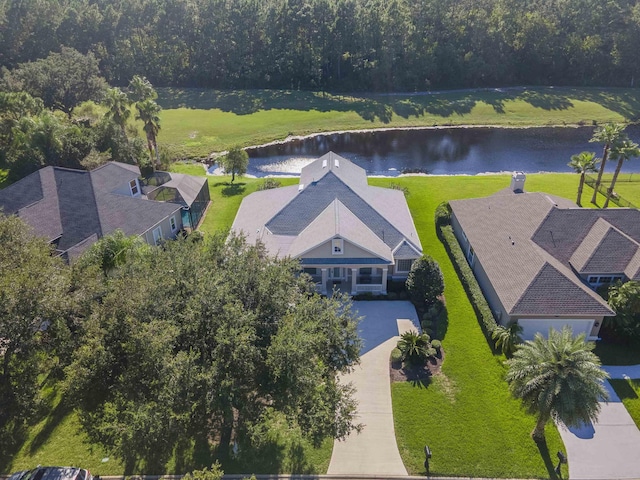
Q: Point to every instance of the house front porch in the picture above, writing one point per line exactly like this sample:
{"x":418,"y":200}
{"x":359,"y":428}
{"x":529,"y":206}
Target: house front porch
{"x":349,"y":279}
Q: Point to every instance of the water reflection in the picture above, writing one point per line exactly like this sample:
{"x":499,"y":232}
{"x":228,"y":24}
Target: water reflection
{"x":438,"y":151}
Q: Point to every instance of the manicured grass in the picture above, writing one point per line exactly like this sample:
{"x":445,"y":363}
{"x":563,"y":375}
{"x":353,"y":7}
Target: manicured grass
{"x":58,"y":439}
{"x":629,"y":393}
{"x":466,"y":415}
{"x":196,"y":122}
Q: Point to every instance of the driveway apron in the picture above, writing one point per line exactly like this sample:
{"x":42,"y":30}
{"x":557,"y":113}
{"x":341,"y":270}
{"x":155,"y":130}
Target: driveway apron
{"x":374,"y":450}
{"x":609,"y":448}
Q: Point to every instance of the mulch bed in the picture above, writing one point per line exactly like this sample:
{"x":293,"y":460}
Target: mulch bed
{"x":400,"y":373}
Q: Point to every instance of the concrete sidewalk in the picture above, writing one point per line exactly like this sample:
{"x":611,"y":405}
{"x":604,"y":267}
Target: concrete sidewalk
{"x":609,"y":448}
{"x":374,"y":451}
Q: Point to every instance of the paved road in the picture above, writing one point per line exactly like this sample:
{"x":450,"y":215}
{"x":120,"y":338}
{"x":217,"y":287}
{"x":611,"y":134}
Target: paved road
{"x":609,"y":448}
{"x":374,"y":451}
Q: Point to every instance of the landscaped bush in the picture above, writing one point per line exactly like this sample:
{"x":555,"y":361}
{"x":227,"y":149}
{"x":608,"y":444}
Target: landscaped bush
{"x":396,"y":355}
{"x":479,"y":303}
{"x":443,"y":214}
{"x":436,"y":344}
{"x":425,"y":282}
{"x":268,"y":184}
{"x":415,"y":348}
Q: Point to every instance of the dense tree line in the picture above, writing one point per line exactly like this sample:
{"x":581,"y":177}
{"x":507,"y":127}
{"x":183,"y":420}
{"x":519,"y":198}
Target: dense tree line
{"x":335,"y":44}
{"x":157,"y":347}
{"x":49,"y":115}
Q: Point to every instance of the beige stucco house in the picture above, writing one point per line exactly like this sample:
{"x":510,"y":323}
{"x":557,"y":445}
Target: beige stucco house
{"x":538,"y":258}
{"x":344,"y":232}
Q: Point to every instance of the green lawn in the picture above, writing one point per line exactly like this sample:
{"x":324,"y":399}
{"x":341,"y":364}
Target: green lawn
{"x":629,"y":393}
{"x":196,"y":122}
{"x":466,"y":415}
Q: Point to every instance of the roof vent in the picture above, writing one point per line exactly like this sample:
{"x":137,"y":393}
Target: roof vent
{"x":337,"y":162}
{"x":301,"y":187}
{"x":517,"y":182}
{"x":324,"y":163}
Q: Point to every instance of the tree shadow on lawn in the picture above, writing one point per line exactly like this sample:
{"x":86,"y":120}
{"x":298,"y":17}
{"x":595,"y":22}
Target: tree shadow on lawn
{"x":543,"y":448}
{"x":231,"y":189}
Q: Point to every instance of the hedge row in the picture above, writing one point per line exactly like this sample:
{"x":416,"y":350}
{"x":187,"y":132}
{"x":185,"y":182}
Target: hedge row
{"x":468,"y":279}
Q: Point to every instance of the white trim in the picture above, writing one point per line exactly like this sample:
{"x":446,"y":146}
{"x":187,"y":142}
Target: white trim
{"x":412,"y":246}
{"x":157,"y":234}
{"x":135,"y":186}
{"x":337,"y":246}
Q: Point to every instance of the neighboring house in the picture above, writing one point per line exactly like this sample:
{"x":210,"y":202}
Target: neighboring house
{"x":344,"y":231}
{"x":538,"y":258}
{"x":74,"y":208}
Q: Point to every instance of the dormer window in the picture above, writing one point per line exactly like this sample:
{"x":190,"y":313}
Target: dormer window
{"x":133,"y":185}
{"x":337,"y":246}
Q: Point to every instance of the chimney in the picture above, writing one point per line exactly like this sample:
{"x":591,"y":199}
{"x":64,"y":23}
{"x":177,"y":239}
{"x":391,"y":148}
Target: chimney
{"x":517,"y":182}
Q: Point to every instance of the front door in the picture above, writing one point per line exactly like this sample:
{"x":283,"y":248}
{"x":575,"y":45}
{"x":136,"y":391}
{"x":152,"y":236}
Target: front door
{"x":337,"y":273}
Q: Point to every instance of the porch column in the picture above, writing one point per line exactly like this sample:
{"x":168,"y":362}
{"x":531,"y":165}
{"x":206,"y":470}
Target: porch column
{"x":384,"y":280}
{"x":325,"y":278}
{"x":354,"y":280}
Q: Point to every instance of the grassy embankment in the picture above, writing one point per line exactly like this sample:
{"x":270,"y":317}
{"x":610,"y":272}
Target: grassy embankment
{"x":197,"y":122}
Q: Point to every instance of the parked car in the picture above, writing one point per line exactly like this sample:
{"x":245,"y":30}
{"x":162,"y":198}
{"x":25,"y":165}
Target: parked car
{"x":53,"y":473}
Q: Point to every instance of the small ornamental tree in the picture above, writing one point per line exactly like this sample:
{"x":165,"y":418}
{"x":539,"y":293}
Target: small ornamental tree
{"x":425,"y":282}
{"x":235,"y":162}
{"x":624,"y":299}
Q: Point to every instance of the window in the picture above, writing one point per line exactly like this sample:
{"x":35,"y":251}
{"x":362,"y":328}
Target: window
{"x":157,"y":235}
{"x":174,"y":227}
{"x":404,"y":265}
{"x":133,"y":185}
{"x":593,"y":280}
{"x":471,"y":256}
{"x":310,"y":271}
{"x":605,"y":279}
{"x":365,"y":271}
{"x":336,"y":246}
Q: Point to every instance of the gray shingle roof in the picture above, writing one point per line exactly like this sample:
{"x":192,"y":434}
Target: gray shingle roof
{"x":314,"y":198}
{"x":502,"y":229}
{"x":293,"y":220}
{"x":553,"y":293}
{"x":564,"y":230}
{"x":75,"y":207}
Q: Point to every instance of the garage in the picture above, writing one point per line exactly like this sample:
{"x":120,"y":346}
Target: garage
{"x":532,"y":325}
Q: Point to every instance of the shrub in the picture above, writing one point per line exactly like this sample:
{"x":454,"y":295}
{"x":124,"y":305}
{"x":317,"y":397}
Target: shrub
{"x":443,"y":214}
{"x":268,"y":184}
{"x":414,"y":347}
{"x":431,"y":352}
{"x":425,"y":282}
{"x":215,"y":473}
{"x":396,"y":355}
{"x":436,"y":344}
{"x":469,"y":282}
{"x":395,"y":186}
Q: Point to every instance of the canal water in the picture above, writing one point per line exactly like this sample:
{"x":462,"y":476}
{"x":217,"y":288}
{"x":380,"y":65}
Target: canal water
{"x":438,"y":151}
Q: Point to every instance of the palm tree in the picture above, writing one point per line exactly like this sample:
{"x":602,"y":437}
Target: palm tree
{"x":507,"y":338}
{"x":414,"y":347}
{"x":140,"y":89}
{"x":625,"y":151}
{"x":583,"y":163}
{"x":148,"y":112}
{"x":118,"y":104}
{"x":558,"y":379}
{"x":609,"y":134}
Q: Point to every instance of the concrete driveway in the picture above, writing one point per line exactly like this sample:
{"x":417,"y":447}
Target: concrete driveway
{"x":374,"y":451}
{"x":610,"y":448}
